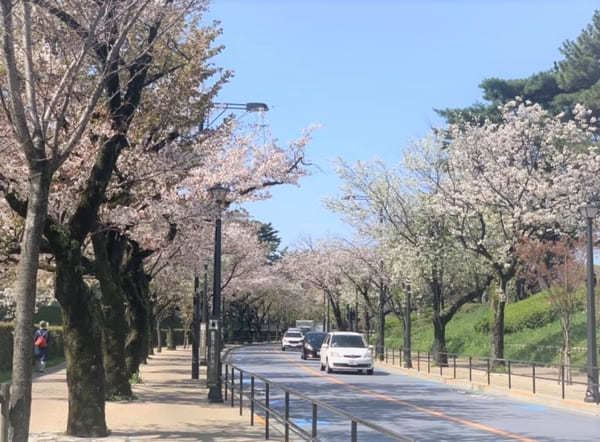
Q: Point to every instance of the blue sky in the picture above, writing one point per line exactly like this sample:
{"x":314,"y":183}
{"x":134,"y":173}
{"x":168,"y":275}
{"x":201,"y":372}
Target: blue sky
{"x":371,"y":73}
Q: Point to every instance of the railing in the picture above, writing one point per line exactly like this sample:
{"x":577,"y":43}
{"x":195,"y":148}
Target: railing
{"x":566,"y":381}
{"x":4,"y":401}
{"x":260,"y":396}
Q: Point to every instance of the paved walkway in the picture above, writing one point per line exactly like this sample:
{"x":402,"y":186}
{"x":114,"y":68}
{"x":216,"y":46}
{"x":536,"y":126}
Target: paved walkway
{"x":170,"y":407}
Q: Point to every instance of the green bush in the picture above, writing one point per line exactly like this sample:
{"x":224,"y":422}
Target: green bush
{"x":533,"y":312}
{"x":6,"y":345}
{"x":50,"y":313}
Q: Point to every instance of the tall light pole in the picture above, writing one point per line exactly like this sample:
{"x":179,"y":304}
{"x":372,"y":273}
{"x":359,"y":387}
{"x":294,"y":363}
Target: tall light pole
{"x":219,"y":195}
{"x":381,"y":304}
{"x":407,"y":326}
{"x":591,"y":393}
{"x":204,"y":336}
{"x":196,"y":329}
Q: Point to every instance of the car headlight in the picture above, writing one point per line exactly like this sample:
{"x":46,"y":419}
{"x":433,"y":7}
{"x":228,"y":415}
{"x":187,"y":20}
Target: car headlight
{"x":336,"y":354}
{"x":310,"y":347}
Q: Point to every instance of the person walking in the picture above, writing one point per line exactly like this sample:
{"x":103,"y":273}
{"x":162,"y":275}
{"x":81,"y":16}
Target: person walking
{"x":41,"y":340}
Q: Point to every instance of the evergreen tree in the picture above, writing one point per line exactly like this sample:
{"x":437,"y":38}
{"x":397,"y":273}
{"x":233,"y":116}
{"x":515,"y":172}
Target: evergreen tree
{"x":267,"y":234}
{"x":574,"y":79}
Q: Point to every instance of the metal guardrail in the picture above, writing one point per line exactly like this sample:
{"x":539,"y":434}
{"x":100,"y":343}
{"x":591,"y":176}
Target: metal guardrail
{"x":4,"y":401}
{"x":269,"y":412}
{"x":566,"y":375}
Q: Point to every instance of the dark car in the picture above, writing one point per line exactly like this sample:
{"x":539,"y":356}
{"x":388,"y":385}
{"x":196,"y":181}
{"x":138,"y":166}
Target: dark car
{"x":312,"y":344}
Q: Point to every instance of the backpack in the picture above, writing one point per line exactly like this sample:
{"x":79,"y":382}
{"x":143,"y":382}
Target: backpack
{"x":41,"y":341}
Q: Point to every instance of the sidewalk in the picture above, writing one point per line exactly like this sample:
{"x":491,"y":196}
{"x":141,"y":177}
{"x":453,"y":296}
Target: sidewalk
{"x":169,"y":407}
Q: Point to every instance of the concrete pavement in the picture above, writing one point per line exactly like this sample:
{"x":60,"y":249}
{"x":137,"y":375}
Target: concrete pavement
{"x":169,"y":407}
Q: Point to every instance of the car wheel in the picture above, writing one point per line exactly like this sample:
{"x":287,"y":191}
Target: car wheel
{"x":303,"y":356}
{"x":282,"y":348}
{"x":329,"y":370}
{"x":370,"y":371}
{"x":322,"y":367}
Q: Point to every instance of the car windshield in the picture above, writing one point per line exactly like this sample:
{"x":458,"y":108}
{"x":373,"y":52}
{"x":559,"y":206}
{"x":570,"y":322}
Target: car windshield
{"x":354,"y":341}
{"x":293,"y":335}
{"x":316,"y":339}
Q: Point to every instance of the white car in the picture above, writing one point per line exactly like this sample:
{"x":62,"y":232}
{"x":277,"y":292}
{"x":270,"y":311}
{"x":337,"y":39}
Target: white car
{"x":346,"y":351}
{"x":292,"y":339}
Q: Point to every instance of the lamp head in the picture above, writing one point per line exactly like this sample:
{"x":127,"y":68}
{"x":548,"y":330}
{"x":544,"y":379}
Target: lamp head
{"x":218,"y":192}
{"x":590,"y":210}
{"x":256,"y":107}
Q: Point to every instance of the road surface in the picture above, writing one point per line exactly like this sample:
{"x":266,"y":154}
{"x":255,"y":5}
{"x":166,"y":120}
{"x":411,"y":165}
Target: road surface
{"x":421,"y":410}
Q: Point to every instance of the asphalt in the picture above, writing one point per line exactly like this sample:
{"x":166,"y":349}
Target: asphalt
{"x":170,"y":406}
{"x":415,"y":407}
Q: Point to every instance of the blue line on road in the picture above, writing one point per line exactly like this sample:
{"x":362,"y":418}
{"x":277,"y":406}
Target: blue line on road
{"x":304,"y":422}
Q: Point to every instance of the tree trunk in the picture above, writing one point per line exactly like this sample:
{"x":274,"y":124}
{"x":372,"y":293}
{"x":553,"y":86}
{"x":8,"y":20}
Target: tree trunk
{"x":566,"y":328}
{"x":439,"y":352}
{"x":114,"y":330}
{"x":150,"y":343}
{"x":82,"y":341}
{"x":170,"y":339}
{"x":25,"y":291}
{"x":498,"y":304}
{"x":138,"y":321}
{"x":158,"y":336}
{"x":337,"y":313}
{"x":150,"y":334}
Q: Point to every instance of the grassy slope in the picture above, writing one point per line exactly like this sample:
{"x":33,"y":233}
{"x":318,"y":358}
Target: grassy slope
{"x":540,"y":344}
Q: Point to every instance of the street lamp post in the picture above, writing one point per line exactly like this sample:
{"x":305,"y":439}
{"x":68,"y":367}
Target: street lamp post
{"x":380,"y":309}
{"x":196,"y":330}
{"x":204,"y":336}
{"x":407,"y":326}
{"x":591,"y":393}
{"x":219,"y":194}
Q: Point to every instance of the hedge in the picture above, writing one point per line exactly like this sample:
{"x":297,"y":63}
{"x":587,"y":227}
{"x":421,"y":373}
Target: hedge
{"x":6,"y":343}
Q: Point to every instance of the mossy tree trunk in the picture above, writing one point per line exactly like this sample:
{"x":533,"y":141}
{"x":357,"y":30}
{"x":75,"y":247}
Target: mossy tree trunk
{"x":109,"y":252}
{"x":139,"y":312}
{"x":82,"y":343}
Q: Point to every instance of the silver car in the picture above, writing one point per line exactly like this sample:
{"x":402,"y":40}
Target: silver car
{"x":292,"y":339}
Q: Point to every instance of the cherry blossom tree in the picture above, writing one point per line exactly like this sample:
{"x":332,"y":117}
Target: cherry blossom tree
{"x":155,"y":97}
{"x":418,"y":244}
{"x":558,"y":267}
{"x":49,"y":102}
{"x":524,"y":177}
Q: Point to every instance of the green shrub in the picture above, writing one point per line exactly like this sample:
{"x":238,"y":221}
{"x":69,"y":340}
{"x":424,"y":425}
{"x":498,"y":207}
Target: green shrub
{"x":136,"y":378}
{"x":533,"y":312}
{"x":50,"y":313}
{"x":6,"y":345}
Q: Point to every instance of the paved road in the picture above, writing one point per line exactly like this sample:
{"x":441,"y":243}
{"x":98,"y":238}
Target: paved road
{"x":424,"y":411}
